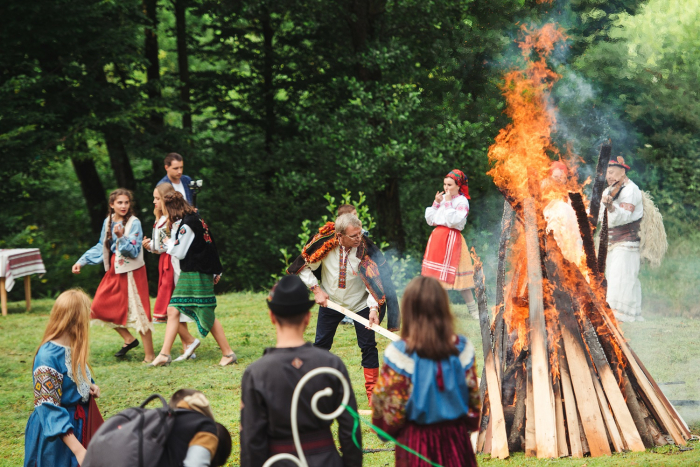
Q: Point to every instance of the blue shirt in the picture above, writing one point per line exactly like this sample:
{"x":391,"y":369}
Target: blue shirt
{"x":428,"y":402}
{"x":185,"y":180}
{"x":129,"y":244}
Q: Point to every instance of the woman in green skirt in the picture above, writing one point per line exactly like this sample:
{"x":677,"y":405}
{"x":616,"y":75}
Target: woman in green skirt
{"x":194,"y":246}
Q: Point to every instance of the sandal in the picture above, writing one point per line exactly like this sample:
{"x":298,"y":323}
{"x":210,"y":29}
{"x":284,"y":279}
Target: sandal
{"x":122,"y":352}
{"x":162,"y":362}
{"x":233,"y":357}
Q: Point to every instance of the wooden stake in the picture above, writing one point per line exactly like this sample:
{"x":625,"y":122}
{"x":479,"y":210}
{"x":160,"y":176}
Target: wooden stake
{"x":561,"y":428}
{"x":545,"y":420}
{"x":499,"y":439}
{"x":572,"y":421}
{"x":612,"y":391}
{"x":530,"y":430}
{"x":613,"y":431}
{"x":517,"y":429}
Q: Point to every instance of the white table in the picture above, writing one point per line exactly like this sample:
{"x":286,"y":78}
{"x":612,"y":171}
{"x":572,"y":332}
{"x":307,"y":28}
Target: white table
{"x":16,"y":263}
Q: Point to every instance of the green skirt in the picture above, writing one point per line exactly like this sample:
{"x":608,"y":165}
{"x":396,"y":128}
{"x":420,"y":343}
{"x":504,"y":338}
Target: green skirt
{"x":194,"y":297}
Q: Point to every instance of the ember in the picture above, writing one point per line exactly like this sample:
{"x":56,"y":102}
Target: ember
{"x":559,"y":378}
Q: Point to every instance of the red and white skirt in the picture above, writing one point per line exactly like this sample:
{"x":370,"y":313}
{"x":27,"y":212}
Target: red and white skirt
{"x":166,"y":285}
{"x":447,"y":259}
{"x":121,"y":300}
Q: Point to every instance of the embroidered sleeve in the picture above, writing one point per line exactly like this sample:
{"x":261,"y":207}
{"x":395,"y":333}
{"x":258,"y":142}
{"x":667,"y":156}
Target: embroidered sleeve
{"x":307,"y":276}
{"x":94,"y":254}
{"x":456,"y":212}
{"x":179,"y":244}
{"x":628,"y":207}
{"x":48,"y":385}
{"x":389,"y":400}
{"x":130,"y":243}
{"x":430,"y":213}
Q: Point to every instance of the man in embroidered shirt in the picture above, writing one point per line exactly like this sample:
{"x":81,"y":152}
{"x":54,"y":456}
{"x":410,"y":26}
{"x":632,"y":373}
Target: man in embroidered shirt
{"x":174,"y":167}
{"x":623,"y":203}
{"x":343,"y":283}
{"x":269,"y":383}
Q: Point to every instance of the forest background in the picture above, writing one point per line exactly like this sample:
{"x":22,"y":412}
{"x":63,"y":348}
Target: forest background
{"x":282,"y":107}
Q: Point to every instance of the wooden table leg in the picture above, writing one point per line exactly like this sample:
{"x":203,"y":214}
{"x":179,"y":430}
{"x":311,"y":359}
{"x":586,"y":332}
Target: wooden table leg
{"x":28,"y":292}
{"x":3,"y":296}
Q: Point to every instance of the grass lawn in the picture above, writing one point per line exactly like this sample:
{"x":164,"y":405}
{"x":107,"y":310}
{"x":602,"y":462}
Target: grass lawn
{"x":668,"y":346}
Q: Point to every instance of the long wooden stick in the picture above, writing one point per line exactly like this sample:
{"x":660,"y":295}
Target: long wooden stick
{"x":375,"y":327}
{"x":545,"y":419}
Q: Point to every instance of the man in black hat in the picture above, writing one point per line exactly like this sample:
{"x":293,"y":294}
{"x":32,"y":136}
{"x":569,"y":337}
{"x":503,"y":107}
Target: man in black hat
{"x":269,"y":383}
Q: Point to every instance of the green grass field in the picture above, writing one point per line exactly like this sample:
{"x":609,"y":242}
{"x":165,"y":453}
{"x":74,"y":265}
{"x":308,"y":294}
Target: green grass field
{"x":668,"y":346}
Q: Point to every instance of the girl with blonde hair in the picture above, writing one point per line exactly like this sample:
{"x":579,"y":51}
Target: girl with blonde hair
{"x":121,"y":300}
{"x":427,"y":394}
{"x":56,"y":432}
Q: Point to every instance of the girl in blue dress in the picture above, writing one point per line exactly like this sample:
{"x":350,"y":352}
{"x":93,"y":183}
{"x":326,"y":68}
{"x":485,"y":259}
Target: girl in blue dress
{"x":56,"y":430}
{"x":427,"y":395}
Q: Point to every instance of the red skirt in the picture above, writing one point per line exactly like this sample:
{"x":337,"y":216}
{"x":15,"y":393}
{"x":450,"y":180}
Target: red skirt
{"x":445,"y":443}
{"x":166,"y":285}
{"x":111,"y":302}
{"x":442,"y":254}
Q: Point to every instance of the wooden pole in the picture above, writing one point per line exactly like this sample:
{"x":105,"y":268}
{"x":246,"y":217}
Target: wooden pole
{"x":612,"y":390}
{"x":530,"y":435}
{"x":611,"y":427}
{"x":516,"y":437}
{"x":376,"y":328}
{"x":27,"y":293}
{"x":562,"y":447}
{"x":545,"y":419}
{"x":499,"y":440}
{"x":572,"y":421}
{"x":3,"y":296}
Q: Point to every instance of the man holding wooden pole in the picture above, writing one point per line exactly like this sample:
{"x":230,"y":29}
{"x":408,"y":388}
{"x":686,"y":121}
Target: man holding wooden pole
{"x":349,"y":277}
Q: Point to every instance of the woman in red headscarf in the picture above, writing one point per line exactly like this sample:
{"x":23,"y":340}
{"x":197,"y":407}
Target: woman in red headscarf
{"x":447,"y":257}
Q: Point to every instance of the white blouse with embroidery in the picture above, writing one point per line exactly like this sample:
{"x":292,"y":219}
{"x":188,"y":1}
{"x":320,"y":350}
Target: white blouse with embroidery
{"x":628,"y":206}
{"x":452,"y":214}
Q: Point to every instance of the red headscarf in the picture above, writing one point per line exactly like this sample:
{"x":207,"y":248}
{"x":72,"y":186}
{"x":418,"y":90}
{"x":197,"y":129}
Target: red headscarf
{"x":558,"y":165}
{"x":461,"y":180}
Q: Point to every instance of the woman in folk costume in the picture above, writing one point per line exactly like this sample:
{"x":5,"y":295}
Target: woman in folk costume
{"x":192,"y":244}
{"x":427,"y":395}
{"x":58,"y":431}
{"x":447,"y":256}
{"x":121,"y":300}
{"x":168,"y":270}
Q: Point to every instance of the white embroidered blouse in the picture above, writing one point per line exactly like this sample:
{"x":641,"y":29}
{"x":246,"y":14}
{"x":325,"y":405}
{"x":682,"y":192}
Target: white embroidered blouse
{"x":452,"y":214}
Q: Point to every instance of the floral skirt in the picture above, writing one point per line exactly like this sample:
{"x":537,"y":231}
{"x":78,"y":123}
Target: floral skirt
{"x":445,"y":443}
{"x":194,"y":297}
{"x":121,"y":300}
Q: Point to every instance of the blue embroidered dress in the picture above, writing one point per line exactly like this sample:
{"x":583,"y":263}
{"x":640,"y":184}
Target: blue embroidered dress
{"x":57,"y":395}
{"x":431,"y":406}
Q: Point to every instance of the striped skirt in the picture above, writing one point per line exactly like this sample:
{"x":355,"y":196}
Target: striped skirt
{"x":194,"y":297}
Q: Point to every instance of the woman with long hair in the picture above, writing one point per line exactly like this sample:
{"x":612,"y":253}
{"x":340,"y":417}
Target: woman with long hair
{"x":447,"y":256}
{"x":56,"y":431}
{"x":427,"y":394}
{"x":193,"y":244}
{"x":121,"y":300}
{"x":168,"y":269}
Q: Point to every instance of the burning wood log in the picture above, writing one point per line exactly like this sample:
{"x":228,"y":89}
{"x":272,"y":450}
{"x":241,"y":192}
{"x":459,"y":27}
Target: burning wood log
{"x":599,"y":183}
{"x":603,"y":244}
{"x":585,"y":228}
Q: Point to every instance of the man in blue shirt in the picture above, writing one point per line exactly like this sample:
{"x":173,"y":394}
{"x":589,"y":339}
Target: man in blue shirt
{"x":174,"y":169}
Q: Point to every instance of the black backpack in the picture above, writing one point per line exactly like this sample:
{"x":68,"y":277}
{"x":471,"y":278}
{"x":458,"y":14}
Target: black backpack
{"x":134,"y":437}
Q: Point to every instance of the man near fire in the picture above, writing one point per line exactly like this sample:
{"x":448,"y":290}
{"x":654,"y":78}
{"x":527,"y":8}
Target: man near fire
{"x":352,"y":275}
{"x":623,"y":202}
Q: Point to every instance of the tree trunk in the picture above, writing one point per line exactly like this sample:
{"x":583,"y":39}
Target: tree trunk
{"x":389,"y":223}
{"x":153,"y":88}
{"x":361,"y":20}
{"x":183,"y":62}
{"x":93,"y":191}
{"x":118,"y":158}
{"x":268,"y":76}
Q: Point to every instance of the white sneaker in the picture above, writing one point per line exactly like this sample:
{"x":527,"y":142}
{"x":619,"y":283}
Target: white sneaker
{"x":182,"y":357}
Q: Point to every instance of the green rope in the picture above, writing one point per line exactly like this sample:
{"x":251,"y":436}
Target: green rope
{"x":383,"y":434}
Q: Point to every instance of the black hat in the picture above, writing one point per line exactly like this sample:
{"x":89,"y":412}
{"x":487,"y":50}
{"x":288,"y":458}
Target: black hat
{"x":289,"y":297}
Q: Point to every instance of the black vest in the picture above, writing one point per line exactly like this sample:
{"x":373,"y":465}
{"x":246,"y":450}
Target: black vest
{"x":202,"y":256}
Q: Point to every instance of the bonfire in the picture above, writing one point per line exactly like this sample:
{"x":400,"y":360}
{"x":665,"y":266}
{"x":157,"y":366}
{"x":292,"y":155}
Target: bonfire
{"x":560,"y":379}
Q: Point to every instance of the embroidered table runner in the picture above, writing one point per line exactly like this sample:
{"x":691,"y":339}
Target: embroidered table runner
{"x":19,"y":262}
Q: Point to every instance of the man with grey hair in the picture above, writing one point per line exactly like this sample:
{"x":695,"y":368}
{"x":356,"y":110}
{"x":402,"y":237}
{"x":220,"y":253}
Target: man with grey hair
{"x":341,"y":257}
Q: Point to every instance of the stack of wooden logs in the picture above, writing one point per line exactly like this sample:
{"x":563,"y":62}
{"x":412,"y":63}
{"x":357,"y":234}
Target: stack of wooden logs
{"x":577,"y":387}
